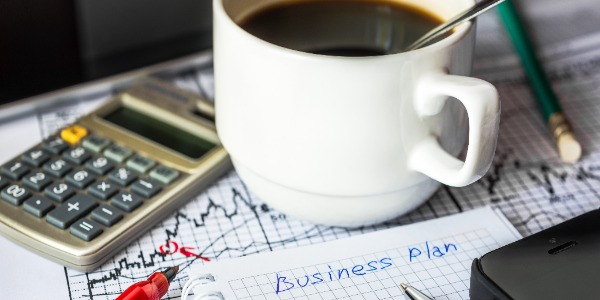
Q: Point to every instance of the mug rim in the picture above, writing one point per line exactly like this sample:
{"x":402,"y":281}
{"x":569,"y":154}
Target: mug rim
{"x":459,"y":33}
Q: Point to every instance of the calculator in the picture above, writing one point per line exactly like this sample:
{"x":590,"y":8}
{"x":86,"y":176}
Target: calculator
{"x":85,"y":193}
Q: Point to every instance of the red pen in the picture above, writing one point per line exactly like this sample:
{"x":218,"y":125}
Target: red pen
{"x":152,"y":288}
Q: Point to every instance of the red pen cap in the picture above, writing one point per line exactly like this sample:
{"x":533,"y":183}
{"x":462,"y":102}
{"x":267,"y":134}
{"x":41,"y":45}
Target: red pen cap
{"x":153,"y":288}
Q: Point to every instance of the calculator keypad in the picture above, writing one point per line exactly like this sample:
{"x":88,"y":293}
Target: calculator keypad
{"x":84,"y":184}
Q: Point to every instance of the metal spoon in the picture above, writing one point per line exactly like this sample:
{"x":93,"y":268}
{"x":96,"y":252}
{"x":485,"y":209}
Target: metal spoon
{"x":466,"y":15}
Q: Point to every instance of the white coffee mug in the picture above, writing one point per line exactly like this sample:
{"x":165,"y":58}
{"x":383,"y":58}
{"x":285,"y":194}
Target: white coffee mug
{"x":351,"y":141}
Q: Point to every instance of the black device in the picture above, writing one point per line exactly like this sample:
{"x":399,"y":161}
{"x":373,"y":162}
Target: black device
{"x":46,"y":46}
{"x":561,"y":262}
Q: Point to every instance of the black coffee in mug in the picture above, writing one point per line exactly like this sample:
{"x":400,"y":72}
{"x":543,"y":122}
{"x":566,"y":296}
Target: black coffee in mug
{"x":341,"y":27}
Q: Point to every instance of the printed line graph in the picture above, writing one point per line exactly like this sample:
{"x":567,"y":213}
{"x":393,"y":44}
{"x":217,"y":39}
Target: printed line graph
{"x":198,"y":220}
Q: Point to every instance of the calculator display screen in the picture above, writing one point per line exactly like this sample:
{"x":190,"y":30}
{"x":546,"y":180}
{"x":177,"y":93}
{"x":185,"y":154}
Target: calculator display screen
{"x":160,"y":132}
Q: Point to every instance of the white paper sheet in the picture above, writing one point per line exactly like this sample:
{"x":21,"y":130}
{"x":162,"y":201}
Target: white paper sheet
{"x":433,"y":256}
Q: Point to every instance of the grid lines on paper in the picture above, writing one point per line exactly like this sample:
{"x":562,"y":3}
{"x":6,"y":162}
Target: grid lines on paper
{"x":441,"y":277}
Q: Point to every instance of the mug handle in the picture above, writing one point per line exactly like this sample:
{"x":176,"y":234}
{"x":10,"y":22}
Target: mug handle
{"x":480,"y":100}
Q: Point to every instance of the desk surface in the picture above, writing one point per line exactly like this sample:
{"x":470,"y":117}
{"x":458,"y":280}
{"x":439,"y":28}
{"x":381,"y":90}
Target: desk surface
{"x":527,"y":181}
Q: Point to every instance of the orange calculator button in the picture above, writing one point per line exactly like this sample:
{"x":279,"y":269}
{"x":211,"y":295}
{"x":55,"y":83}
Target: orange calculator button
{"x":73,"y":134}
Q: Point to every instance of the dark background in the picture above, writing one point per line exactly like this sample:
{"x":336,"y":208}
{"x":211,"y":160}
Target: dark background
{"x":50,"y":44}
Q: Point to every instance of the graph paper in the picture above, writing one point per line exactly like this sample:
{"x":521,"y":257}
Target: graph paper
{"x":527,"y":181}
{"x":434,"y":256}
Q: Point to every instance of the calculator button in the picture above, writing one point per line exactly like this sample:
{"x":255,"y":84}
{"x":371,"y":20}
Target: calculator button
{"x":102,"y":189}
{"x":55,"y":145}
{"x":70,"y":211}
{"x":122,"y":176}
{"x":59,"y":191}
{"x":14,"y":170}
{"x":117,"y":153}
{"x":86,"y":230}
{"x":35,"y":158}
{"x":37,"y":181}
{"x":57,"y":168}
{"x":95,"y":143}
{"x":164,"y":175}
{"x":15,"y":194}
{"x":73,"y":134}
{"x":140,"y":163}
{"x":3,"y":181}
{"x":145,"y":188}
{"x":126,"y":201}
{"x":77,"y":155}
{"x":106,"y":215}
{"x":80,"y":179}
{"x":99,"y":165}
{"x":38,"y":206}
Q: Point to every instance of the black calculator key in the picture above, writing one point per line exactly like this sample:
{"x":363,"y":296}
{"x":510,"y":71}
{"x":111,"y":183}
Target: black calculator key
{"x":80,"y":178}
{"x":37,"y":181}
{"x":35,"y":158}
{"x":14,"y":170}
{"x":122,"y":176}
{"x":146,"y":188}
{"x":72,"y":210}
{"x":99,"y":165}
{"x":106,"y":215}
{"x":95,"y":143}
{"x":38,"y":206}
{"x":59,"y":191}
{"x":55,"y":145}
{"x":57,"y":167}
{"x":3,"y":181}
{"x":86,"y":230}
{"x":77,"y":155}
{"x":102,"y":189}
{"x":126,"y":201}
{"x":15,"y":194}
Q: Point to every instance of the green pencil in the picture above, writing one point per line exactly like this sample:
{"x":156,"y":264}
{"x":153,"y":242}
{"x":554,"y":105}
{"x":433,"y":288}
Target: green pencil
{"x":568,"y":147}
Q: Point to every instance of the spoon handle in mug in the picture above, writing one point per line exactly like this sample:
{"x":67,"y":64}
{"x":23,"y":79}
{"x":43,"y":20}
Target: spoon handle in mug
{"x":465,"y":16}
